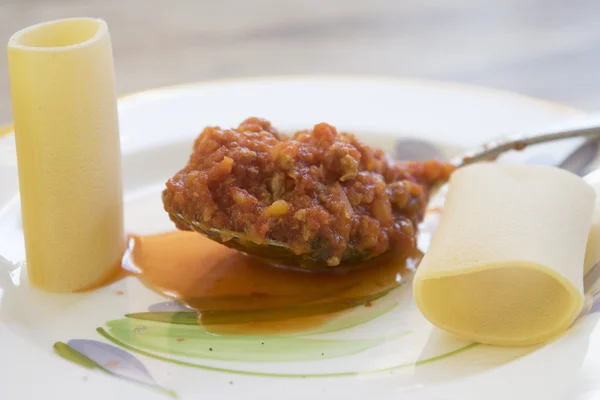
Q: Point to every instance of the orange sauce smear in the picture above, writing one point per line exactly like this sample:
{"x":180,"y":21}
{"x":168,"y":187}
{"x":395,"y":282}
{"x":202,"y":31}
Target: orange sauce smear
{"x":236,"y":293}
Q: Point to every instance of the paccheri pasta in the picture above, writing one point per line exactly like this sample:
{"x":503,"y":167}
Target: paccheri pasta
{"x":66,"y":130}
{"x":506,"y":264}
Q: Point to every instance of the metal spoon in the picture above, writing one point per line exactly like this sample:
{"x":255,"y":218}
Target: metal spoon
{"x":576,"y":162}
{"x":490,"y":151}
{"x":279,"y":253}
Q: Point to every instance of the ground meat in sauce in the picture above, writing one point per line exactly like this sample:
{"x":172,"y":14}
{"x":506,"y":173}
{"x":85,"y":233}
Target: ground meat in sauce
{"x":318,"y":189}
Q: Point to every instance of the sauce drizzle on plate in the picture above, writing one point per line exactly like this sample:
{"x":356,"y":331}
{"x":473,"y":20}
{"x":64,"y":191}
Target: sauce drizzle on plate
{"x":234,"y":293}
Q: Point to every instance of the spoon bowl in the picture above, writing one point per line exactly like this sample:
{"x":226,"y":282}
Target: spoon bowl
{"x":275,"y":252}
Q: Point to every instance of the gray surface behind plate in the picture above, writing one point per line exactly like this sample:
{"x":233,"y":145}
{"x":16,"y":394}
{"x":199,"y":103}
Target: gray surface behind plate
{"x":549,"y":49}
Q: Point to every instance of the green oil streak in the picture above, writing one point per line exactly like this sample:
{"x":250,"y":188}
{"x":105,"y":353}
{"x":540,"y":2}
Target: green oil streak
{"x":224,"y":317}
{"x":220,"y":317}
{"x":114,"y":340}
{"x":69,"y":353}
{"x":359,"y":316}
{"x":193,"y":341}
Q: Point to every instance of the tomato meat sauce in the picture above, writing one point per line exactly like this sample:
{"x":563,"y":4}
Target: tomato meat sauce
{"x":318,"y":191}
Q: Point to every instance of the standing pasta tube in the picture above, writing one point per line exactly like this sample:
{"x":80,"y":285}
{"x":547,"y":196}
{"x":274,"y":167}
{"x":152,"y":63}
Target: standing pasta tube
{"x":68,"y":152}
{"x":505,"y":266}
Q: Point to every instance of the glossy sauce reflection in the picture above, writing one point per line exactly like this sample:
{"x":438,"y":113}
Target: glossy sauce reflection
{"x":234,"y":293}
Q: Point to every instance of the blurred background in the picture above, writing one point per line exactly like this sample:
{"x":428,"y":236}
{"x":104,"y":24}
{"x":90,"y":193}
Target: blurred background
{"x":544,"y":48}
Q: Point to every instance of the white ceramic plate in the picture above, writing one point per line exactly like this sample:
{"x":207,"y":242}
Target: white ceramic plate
{"x":394,"y":354}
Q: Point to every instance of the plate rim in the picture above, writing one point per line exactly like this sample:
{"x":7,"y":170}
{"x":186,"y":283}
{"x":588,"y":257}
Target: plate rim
{"x":8,"y":128}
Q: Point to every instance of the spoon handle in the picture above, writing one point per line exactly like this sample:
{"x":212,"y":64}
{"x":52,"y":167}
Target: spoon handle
{"x":491,"y":150}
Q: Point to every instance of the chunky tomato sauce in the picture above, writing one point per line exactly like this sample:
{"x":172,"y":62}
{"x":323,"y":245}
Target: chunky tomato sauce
{"x":319,"y":191}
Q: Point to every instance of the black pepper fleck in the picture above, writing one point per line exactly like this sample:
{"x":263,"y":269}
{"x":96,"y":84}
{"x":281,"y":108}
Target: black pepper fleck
{"x":210,"y":349}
